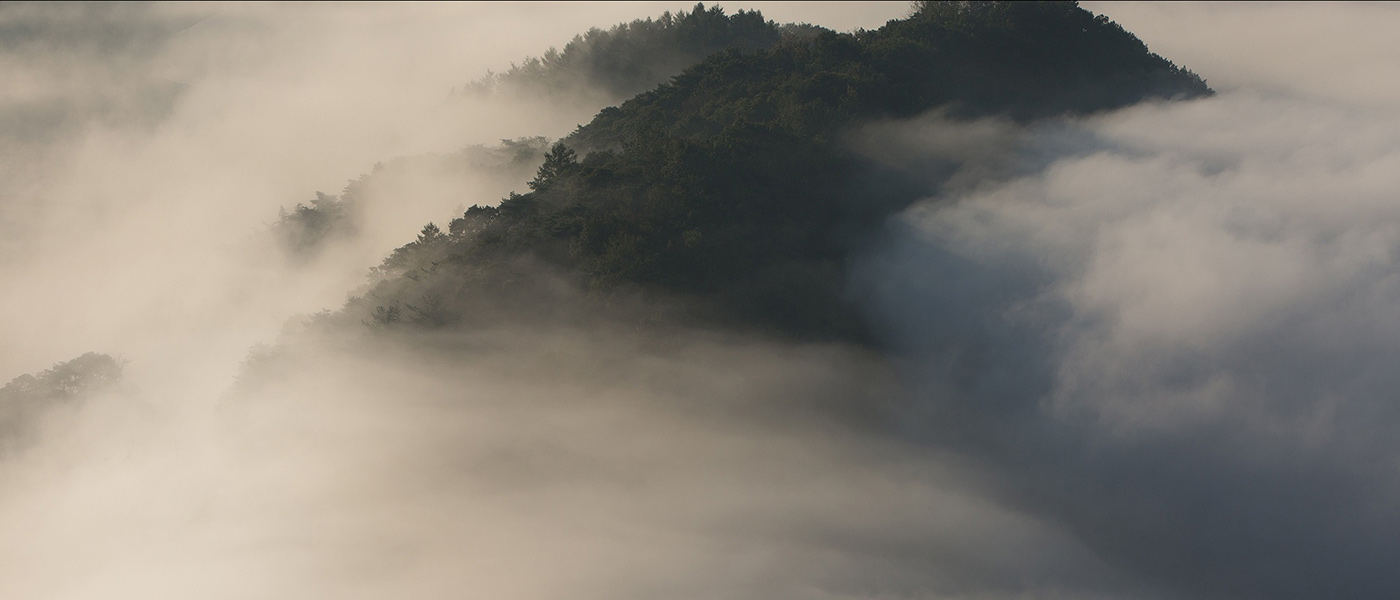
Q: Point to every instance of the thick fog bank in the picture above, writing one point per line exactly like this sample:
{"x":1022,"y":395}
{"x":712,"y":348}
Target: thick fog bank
{"x":1177,"y":322}
{"x":511,"y":463}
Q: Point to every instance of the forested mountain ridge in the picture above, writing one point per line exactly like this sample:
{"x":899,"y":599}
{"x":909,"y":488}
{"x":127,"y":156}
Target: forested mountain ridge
{"x":732,"y":188}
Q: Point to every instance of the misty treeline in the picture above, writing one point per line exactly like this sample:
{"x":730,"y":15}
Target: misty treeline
{"x":630,"y":58}
{"x":730,"y":195}
{"x":26,"y":399}
{"x":306,"y":230}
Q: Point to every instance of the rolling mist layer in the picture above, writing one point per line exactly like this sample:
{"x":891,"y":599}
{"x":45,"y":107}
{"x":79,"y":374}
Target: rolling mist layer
{"x":1177,"y":329}
{"x":1143,"y":353}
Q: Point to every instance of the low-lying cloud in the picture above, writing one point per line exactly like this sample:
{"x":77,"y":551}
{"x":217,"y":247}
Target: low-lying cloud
{"x":590,"y":464}
{"x":1182,"y":331}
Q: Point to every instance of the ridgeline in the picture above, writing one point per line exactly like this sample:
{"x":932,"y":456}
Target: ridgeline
{"x":729,"y":196}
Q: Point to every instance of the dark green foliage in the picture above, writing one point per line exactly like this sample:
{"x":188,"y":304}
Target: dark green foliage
{"x":731,"y":186}
{"x":560,"y":162}
{"x":633,"y":57}
{"x":28,"y":397}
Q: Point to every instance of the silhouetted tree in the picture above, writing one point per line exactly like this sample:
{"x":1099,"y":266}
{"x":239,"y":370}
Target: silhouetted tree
{"x":559,"y":161}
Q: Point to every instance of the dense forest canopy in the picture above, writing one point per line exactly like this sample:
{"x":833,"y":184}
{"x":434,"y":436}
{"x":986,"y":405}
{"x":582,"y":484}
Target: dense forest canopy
{"x":732,"y":185}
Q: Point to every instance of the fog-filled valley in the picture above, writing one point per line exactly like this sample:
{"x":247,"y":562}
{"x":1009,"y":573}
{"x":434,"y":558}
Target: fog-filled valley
{"x":944,"y":300}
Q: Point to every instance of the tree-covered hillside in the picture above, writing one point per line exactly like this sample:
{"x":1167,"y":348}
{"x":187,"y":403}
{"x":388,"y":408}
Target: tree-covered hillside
{"x":733,"y":187}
